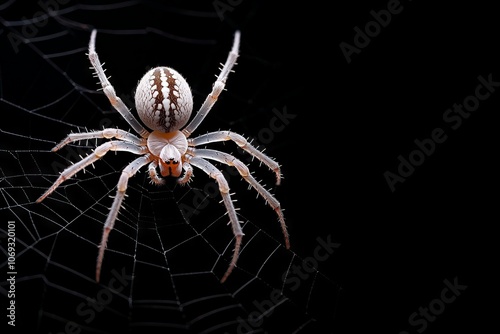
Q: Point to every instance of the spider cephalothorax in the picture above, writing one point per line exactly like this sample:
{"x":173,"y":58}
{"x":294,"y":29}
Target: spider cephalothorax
{"x":164,"y":103}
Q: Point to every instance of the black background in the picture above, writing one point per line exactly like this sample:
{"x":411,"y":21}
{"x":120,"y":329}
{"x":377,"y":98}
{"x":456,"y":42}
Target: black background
{"x":352,"y":121}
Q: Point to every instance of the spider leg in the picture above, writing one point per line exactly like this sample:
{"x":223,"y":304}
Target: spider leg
{"x":216,"y":174}
{"x":217,"y":88}
{"x":108,"y":89}
{"x":243,"y":170}
{"x":98,"y":153}
{"x":105,"y":133}
{"x":218,"y":136}
{"x":127,"y":173}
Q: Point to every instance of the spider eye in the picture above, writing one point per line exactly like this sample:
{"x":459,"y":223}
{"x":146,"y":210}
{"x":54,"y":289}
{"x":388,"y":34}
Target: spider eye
{"x":170,"y":153}
{"x":163,"y":100}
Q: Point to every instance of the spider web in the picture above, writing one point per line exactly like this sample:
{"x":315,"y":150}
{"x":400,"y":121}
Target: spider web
{"x":171,"y":244}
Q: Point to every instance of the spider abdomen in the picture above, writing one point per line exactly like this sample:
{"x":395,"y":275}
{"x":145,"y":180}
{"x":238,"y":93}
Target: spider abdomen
{"x":163,"y":99}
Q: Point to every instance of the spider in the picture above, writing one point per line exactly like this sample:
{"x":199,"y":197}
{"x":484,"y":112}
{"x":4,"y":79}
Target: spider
{"x":164,"y":103}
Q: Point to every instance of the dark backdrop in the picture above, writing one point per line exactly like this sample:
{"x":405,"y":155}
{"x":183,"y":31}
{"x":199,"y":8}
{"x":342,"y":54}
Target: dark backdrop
{"x":367,"y":88}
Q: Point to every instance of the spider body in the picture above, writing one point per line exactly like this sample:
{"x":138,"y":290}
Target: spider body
{"x":168,"y":148}
{"x":164,"y":104}
{"x":163,"y":99}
